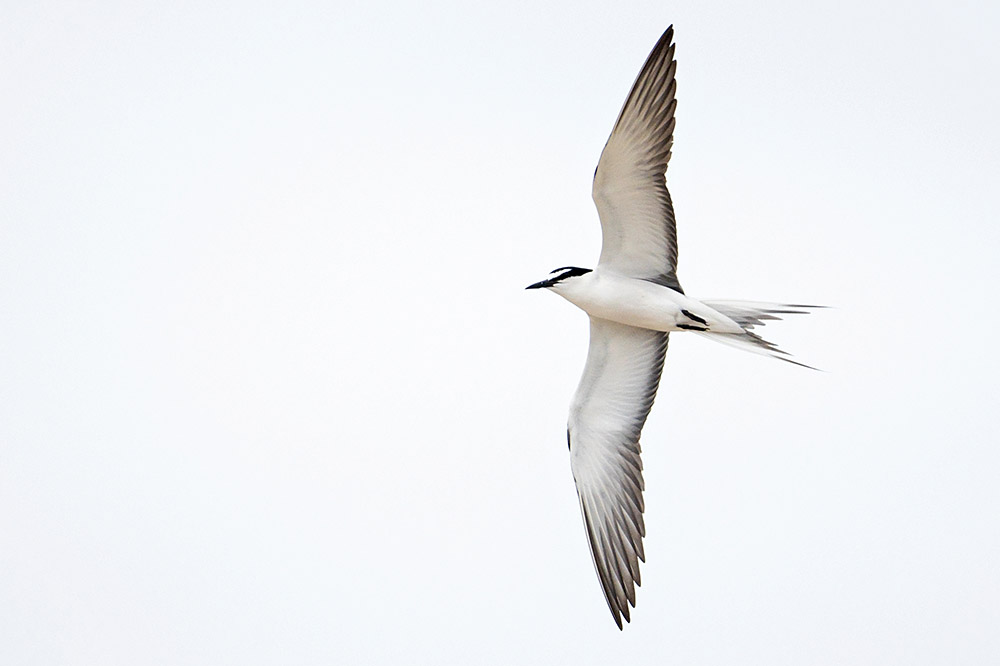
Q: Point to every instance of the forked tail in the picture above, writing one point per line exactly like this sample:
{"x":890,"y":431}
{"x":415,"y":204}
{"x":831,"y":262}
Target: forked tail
{"x":749,"y":314}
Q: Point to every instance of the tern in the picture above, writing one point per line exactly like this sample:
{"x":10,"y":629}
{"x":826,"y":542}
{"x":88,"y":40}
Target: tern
{"x":635,"y":301}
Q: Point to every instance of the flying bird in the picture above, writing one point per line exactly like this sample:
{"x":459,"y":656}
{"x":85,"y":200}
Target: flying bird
{"x":634,"y":301}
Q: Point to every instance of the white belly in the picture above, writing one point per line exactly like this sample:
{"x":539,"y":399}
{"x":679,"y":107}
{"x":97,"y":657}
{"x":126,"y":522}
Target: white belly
{"x":640,"y":303}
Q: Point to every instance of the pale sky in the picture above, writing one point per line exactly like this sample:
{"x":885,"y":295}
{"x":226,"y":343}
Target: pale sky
{"x":273,"y":392}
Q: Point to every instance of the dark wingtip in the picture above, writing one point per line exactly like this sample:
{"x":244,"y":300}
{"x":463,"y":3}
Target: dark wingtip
{"x":666,"y":39}
{"x":801,"y":365}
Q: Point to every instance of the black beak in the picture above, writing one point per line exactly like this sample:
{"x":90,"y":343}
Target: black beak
{"x":540,"y":285}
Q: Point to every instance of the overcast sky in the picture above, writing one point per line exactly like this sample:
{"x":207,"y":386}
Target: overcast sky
{"x":272,"y":392}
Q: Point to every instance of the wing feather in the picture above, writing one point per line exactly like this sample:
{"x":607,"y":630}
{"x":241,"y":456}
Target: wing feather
{"x":610,"y":407}
{"x":630,"y":189}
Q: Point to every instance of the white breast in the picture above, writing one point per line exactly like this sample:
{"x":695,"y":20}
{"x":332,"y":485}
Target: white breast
{"x":639,"y":303}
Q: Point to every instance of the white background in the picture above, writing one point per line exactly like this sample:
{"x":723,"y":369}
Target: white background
{"x":271,"y":391}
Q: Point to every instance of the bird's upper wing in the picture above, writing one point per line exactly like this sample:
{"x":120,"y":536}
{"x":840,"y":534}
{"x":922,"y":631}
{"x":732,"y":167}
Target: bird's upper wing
{"x":609,"y":409}
{"x":630,"y":188}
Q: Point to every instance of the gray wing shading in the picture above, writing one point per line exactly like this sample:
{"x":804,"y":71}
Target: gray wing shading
{"x":630,"y":188}
{"x":609,"y":409}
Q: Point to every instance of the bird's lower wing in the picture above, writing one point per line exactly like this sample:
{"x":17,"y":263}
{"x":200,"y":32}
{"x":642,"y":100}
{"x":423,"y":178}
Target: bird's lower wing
{"x":609,"y":409}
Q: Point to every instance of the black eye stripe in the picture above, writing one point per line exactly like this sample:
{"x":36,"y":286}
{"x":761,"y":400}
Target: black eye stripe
{"x":570,"y":271}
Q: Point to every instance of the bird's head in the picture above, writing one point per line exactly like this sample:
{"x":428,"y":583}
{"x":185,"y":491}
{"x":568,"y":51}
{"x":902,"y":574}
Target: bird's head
{"x":559,"y":276}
